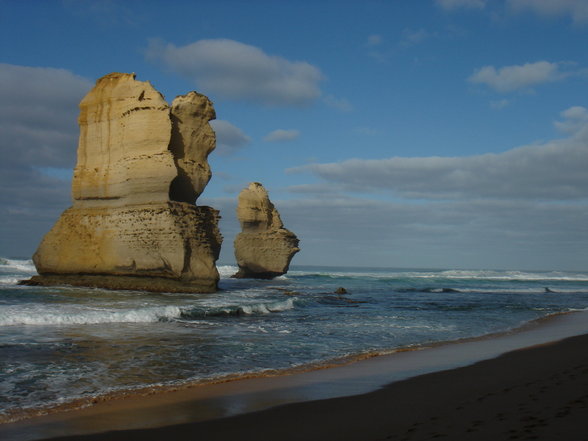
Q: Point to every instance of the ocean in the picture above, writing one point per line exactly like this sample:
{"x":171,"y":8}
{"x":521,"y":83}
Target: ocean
{"x":70,"y":345}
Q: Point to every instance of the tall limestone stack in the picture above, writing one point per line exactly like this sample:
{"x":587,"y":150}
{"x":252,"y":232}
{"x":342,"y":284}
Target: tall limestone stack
{"x":264,"y":248}
{"x":134,"y":223}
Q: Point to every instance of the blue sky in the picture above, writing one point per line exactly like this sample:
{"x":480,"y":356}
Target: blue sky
{"x":429,"y":133}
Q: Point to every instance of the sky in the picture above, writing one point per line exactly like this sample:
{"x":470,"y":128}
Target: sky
{"x":393,"y":133}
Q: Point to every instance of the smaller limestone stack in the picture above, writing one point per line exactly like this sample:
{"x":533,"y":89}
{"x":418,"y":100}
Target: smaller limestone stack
{"x":264,"y":248}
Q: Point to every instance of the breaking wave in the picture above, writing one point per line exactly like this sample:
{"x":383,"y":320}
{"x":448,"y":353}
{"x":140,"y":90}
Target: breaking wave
{"x":511,"y":275}
{"x":239,"y":310}
{"x":41,"y":316}
{"x":226,"y":271}
{"x":23,"y":315}
{"x":472,"y":275}
{"x":9,"y":280}
{"x":21,"y":265}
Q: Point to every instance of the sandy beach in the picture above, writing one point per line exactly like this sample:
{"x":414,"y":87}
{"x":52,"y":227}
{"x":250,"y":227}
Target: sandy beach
{"x":538,"y":390}
{"x":538,"y":393}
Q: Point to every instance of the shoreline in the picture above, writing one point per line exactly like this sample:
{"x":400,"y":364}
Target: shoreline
{"x":539,"y":392}
{"x":231,"y":398}
{"x":140,"y":392}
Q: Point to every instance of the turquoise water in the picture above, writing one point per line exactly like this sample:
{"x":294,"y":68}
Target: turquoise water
{"x":60,"y":344}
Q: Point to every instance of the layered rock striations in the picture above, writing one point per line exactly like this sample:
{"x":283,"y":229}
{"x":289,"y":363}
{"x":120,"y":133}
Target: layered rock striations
{"x":134,"y":223}
{"x":264,"y":248}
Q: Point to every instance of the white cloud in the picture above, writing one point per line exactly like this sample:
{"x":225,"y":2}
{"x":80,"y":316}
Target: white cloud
{"x":341,"y":104}
{"x":499,"y":104}
{"x":366,"y":131}
{"x":576,"y":120}
{"x":281,"y":135}
{"x":107,"y":13}
{"x":576,"y":9}
{"x":375,"y":48}
{"x":380,"y":56}
{"x":511,"y":78}
{"x":409,"y":37}
{"x":374,"y":40}
{"x":229,"y":138}
{"x":552,"y":171}
{"x":239,"y":71}
{"x":457,"y":4}
{"x":412,"y":37}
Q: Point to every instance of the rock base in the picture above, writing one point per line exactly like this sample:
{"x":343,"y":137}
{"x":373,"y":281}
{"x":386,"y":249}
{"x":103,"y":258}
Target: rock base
{"x":128,"y":283}
{"x":169,"y":244}
{"x":243,"y":273}
{"x":265,"y":255}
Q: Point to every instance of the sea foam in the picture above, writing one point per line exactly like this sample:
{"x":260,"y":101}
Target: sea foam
{"x":72,"y":316}
{"x":226,"y":271}
{"x":240,"y":309}
{"x":19,"y":265}
{"x":42,"y":316}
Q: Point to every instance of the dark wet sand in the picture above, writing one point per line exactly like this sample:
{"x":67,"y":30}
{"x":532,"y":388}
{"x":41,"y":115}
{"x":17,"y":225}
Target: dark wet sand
{"x":536,"y":393}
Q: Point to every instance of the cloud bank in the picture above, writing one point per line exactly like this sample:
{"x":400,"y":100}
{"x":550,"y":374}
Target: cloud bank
{"x":444,"y":234}
{"x":38,"y":115}
{"x":38,"y":135}
{"x":552,"y":171}
{"x":523,"y":208}
{"x":576,"y":9}
{"x":238,"y":71}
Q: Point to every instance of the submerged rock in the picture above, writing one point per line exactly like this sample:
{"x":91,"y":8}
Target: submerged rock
{"x":134,"y":223}
{"x":264,"y":248}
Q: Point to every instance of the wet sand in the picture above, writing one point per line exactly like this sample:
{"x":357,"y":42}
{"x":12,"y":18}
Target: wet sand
{"x":539,"y":392}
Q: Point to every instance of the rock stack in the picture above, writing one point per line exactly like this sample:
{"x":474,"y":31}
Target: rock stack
{"x":134,"y":223}
{"x":264,"y":248}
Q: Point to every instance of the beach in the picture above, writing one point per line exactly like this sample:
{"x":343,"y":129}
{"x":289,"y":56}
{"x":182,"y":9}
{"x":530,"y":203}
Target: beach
{"x":537,"y":390}
{"x":539,"y":393}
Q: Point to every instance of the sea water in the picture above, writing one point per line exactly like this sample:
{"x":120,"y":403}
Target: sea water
{"x":60,"y":344}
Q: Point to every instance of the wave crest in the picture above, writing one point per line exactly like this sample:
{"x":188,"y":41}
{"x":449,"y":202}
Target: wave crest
{"x":42,"y":317}
{"x":22,"y":265}
{"x":226,"y":271}
{"x":239,"y":310}
{"x":393,"y":275}
{"x":15,"y":316}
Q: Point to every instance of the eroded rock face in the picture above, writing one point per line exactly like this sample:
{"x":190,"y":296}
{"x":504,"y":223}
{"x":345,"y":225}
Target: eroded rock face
{"x":123,"y":154}
{"x":264,"y":248}
{"x":134,"y":223}
{"x":192,"y":140}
